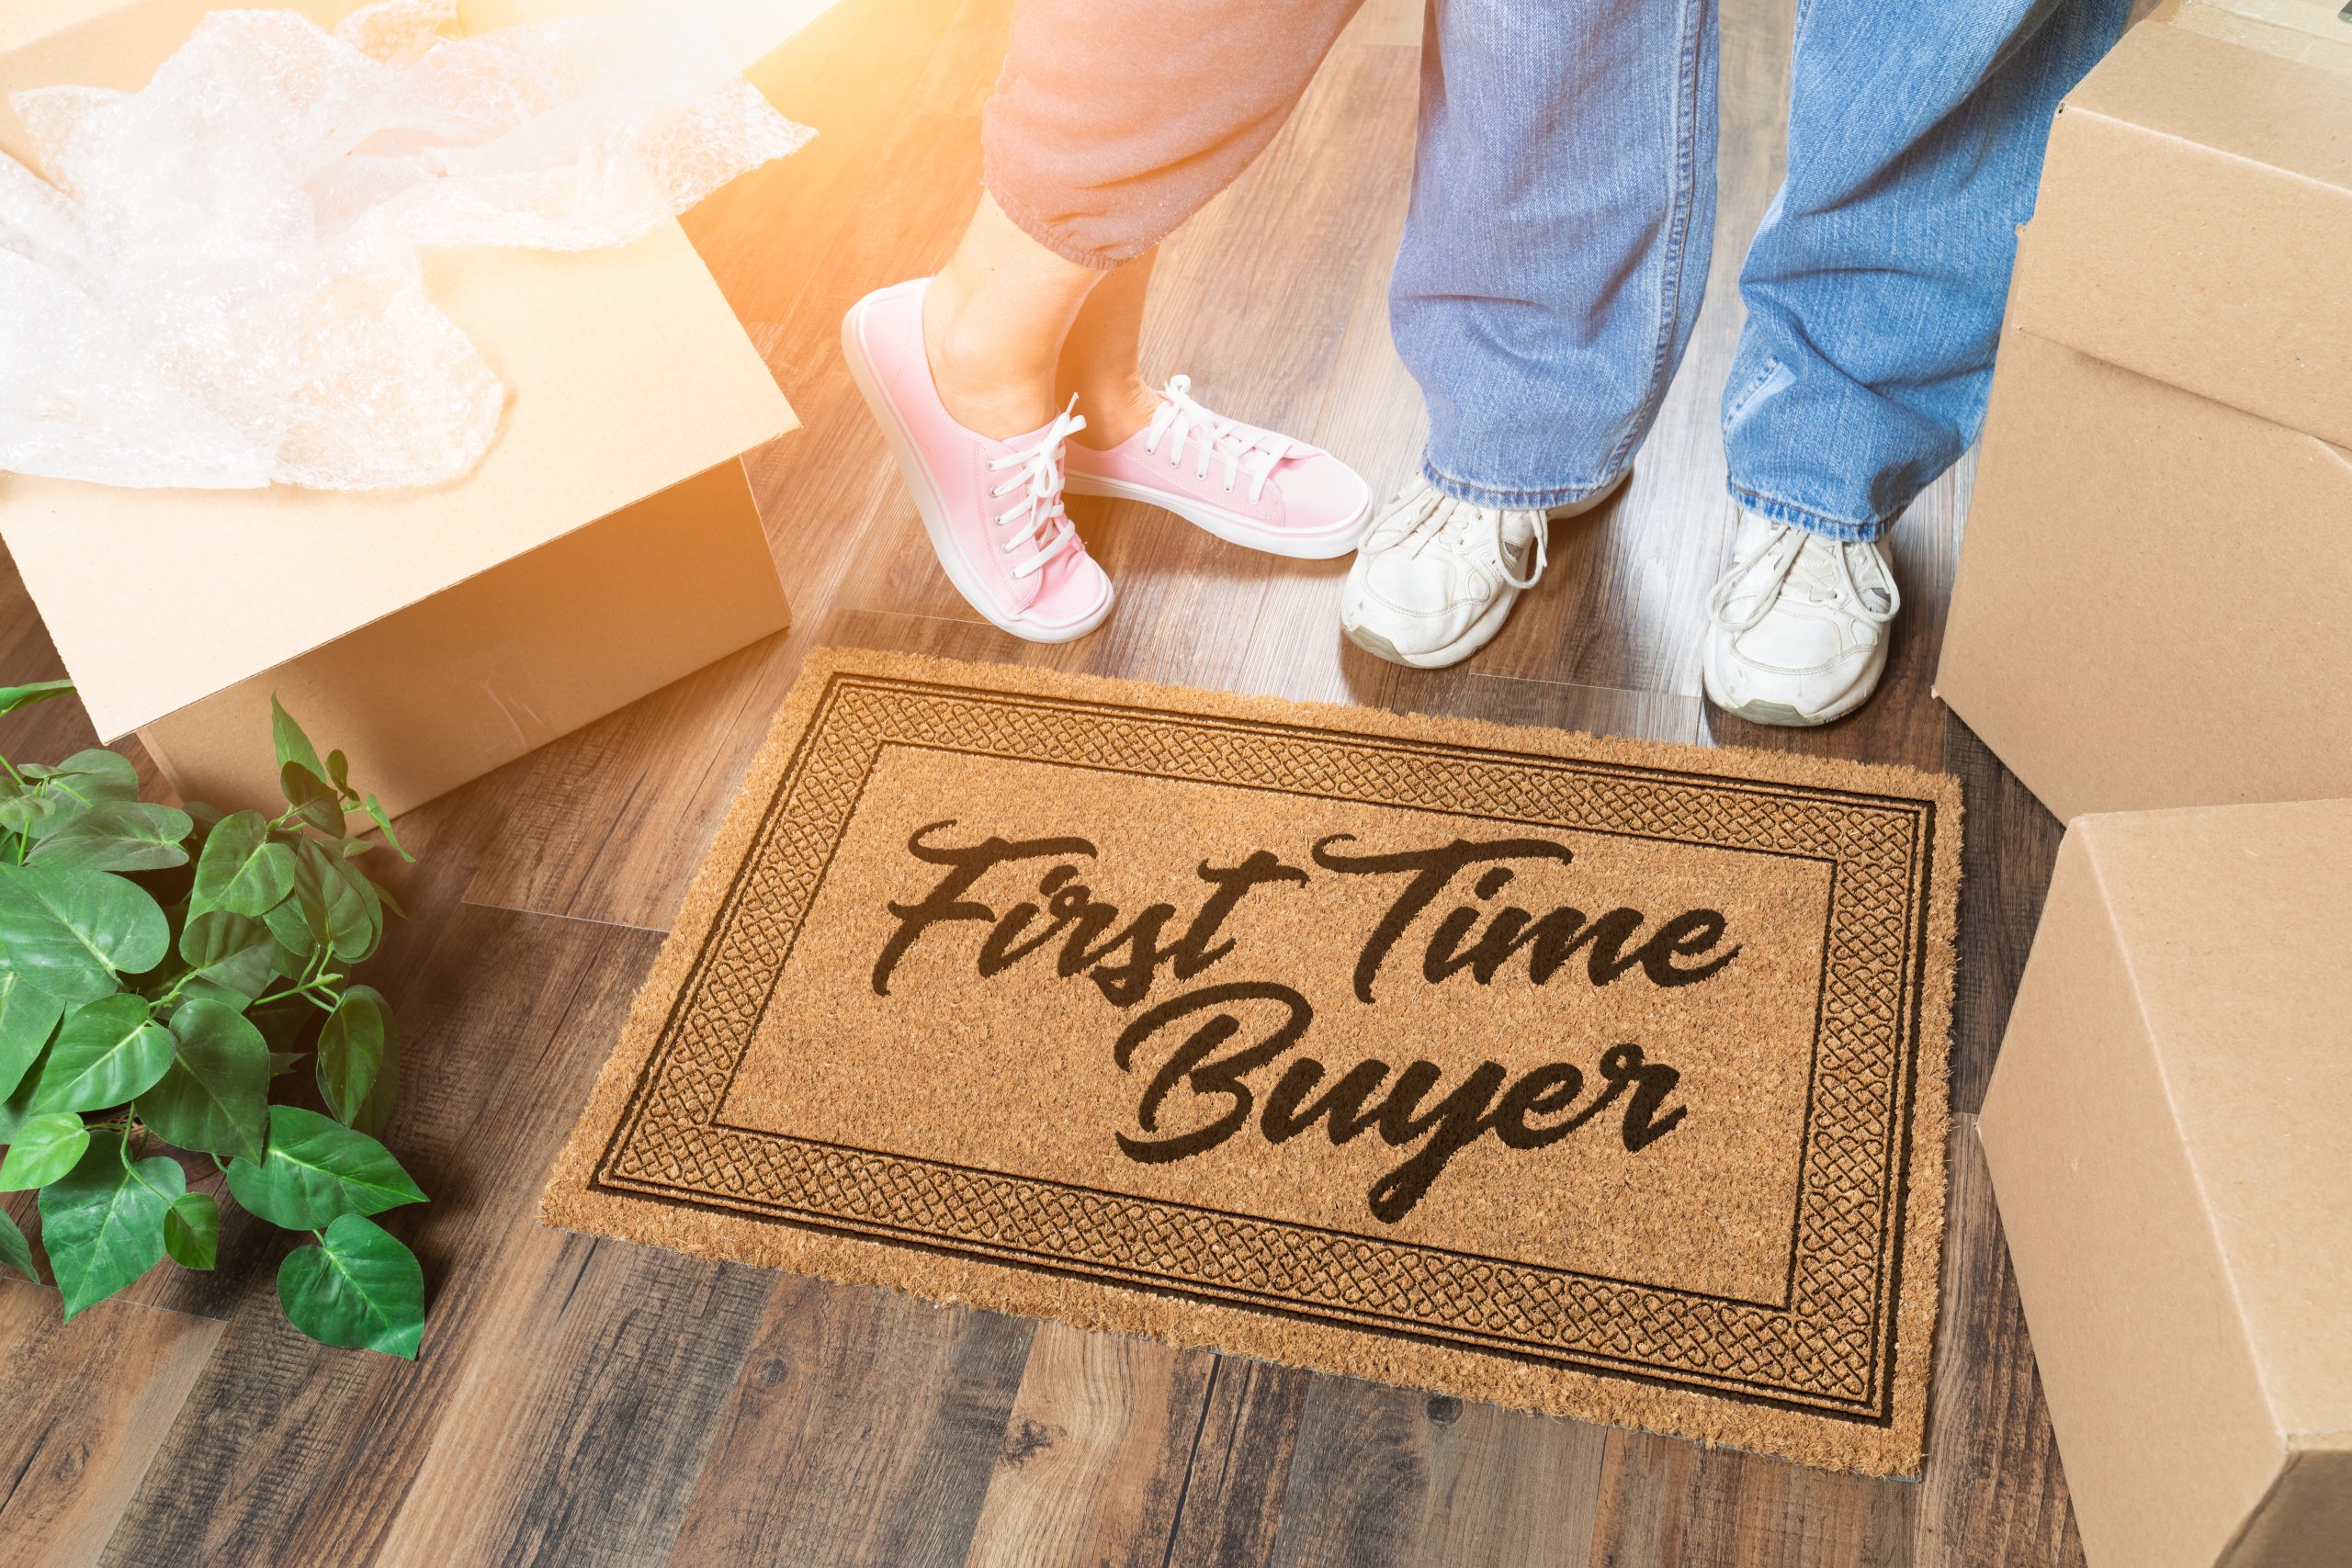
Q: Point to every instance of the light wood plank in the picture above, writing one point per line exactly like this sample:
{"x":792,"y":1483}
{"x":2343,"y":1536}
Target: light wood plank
{"x":289,"y":1451}
{"x":87,"y":1402}
{"x":1100,"y":1440}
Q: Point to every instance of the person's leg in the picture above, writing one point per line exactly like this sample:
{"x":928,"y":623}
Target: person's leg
{"x":993,"y":324}
{"x":1556,"y":247}
{"x":1112,"y":123}
{"x":1874,"y":293}
{"x":1874,"y":287}
{"x":1561,"y":219}
{"x":1101,"y":363}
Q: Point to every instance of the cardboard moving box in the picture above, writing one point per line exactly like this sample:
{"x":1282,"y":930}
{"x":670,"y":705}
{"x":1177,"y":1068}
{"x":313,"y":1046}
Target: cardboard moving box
{"x":2169,"y":1129}
{"x":607,"y":544}
{"x":2153,"y":605}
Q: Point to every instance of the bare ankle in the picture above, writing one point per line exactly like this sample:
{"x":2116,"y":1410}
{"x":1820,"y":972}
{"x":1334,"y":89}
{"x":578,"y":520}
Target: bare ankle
{"x":979,"y":389}
{"x":1114,"y":410}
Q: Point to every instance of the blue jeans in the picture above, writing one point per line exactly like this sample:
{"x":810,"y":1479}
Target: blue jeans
{"x":1562,"y":211}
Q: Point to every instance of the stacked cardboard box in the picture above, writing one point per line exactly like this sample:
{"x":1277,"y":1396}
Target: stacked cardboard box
{"x":2153,"y":609}
{"x":2153,"y":605}
{"x":2170,"y":1134}
{"x":607,"y":544}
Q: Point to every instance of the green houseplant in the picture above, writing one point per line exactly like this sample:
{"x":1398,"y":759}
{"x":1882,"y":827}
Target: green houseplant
{"x":159,"y":970}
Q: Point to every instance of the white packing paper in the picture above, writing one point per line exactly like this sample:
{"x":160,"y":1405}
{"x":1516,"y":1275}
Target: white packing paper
{"x":218,"y":283}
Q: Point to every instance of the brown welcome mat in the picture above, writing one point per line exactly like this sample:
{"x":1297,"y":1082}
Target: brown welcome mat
{"x":1597,"y":1076}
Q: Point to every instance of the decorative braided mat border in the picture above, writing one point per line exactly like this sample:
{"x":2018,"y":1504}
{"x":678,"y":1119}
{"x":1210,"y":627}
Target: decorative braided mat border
{"x":1829,"y":1367}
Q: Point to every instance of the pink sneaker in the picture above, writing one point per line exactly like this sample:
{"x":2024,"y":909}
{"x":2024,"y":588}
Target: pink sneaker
{"x":994,"y":508}
{"x":1247,"y":486}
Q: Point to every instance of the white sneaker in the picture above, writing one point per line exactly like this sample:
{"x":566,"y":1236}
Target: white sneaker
{"x":1436,"y":578}
{"x":1797,"y":628}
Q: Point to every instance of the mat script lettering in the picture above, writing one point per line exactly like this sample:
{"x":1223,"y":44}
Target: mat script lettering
{"x":1229,"y":1086}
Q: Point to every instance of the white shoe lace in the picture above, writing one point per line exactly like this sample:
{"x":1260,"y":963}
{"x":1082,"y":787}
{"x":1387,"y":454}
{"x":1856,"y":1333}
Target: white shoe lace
{"x":1043,"y":521}
{"x":1823,"y":576}
{"x":1457,"y":525}
{"x":1246,"y":449}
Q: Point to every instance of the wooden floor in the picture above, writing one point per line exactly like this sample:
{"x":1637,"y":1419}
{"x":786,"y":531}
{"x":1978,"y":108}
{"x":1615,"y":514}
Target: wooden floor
{"x":583,"y":1402}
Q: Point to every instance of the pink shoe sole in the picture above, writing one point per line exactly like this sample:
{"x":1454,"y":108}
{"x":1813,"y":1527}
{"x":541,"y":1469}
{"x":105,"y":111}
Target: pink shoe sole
{"x":1231,"y":526}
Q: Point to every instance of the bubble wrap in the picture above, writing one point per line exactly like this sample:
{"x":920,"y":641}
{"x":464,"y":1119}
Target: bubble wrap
{"x":218,"y":283}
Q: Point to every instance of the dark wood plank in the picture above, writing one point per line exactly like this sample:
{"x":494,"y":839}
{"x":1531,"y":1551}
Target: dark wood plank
{"x":1391,"y":1476}
{"x":862,"y":1432}
{"x":1994,"y":1491}
{"x":1096,"y":1454}
{"x":1240,"y":1469}
{"x":87,"y":1402}
{"x":2008,"y":848}
{"x":585,"y":1451}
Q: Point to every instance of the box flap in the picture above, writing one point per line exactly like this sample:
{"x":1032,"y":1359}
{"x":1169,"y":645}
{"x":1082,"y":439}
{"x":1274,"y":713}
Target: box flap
{"x":2195,"y":208}
{"x":626,"y":370}
{"x":2316,"y":32}
{"x":2232,"y":920}
{"x":2225,"y":97}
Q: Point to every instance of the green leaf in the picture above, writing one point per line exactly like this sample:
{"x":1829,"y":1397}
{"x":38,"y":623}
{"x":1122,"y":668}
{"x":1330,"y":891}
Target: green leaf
{"x":339,"y":773}
{"x":19,"y":808}
{"x":90,"y":776}
{"x":28,"y":1018}
{"x":376,"y":810}
{"x":102,"y":1222}
{"x":117,"y":836}
{"x":361,"y":1290}
{"x":357,"y":1046}
{"x":216,"y":1095}
{"x":241,"y":870}
{"x":15,"y":1250}
{"x":15,"y":697}
{"x":293,"y":746}
{"x":192,"y":1230}
{"x":312,"y":800}
{"x":107,"y":1052}
{"x":43,"y":1149}
{"x":316,"y":1169}
{"x":284,"y":1062}
{"x":299,"y":923}
{"x":355,"y":922}
{"x":68,"y":932}
{"x":17,"y":1109}
{"x":233,"y":957}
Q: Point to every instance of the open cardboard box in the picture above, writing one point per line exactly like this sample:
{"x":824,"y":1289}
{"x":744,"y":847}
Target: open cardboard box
{"x":2169,"y":1130}
{"x":2154,"y":603}
{"x":607,"y":544}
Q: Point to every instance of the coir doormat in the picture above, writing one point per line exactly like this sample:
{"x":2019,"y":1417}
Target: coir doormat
{"x":1597,"y":1076}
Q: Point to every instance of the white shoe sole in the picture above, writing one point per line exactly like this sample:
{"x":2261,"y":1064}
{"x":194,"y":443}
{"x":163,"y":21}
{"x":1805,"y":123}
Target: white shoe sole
{"x":1480,"y":632}
{"x":1231,"y":526}
{"x":916,"y":471}
{"x":1786,"y":716}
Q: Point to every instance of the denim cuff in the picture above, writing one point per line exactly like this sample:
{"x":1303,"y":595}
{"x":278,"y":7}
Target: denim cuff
{"x":1509,"y":500}
{"x":1775,"y":509}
